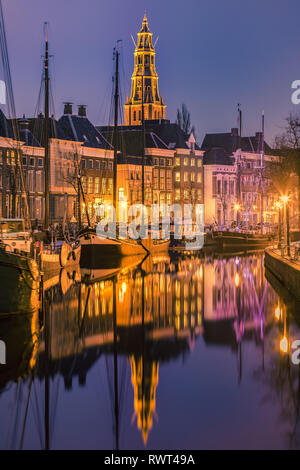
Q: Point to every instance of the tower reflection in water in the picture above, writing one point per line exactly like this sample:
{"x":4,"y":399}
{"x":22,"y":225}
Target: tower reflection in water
{"x":145,"y":314}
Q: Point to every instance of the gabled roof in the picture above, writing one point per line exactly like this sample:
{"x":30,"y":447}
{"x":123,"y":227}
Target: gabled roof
{"x":217,"y":156}
{"x":80,"y":129}
{"x":36,"y":127}
{"x":5,"y":126}
{"x":130,"y":139}
{"x":159,"y":134}
{"x":230,"y":142}
{"x":170,"y":133}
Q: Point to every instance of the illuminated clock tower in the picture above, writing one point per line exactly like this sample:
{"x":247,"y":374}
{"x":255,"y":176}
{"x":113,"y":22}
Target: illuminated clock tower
{"x":144,"y":82}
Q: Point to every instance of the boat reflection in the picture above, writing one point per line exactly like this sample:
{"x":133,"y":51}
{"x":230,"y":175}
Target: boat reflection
{"x":147,"y":313}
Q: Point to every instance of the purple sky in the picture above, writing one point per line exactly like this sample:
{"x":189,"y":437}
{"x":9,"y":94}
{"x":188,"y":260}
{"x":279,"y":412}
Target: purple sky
{"x":211,"y":54}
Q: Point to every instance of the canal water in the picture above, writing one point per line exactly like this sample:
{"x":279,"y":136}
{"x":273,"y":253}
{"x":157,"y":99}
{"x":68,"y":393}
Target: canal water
{"x":189,"y":353}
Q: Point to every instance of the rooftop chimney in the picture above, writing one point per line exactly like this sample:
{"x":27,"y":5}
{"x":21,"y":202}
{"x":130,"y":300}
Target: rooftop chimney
{"x":82,"y":110}
{"x":68,"y":108}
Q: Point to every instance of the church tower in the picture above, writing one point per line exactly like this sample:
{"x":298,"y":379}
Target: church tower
{"x":144,"y":81}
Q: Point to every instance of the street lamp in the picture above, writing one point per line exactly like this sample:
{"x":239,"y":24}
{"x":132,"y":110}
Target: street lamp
{"x":285,"y":199}
{"x":278,"y":204}
{"x":237,"y":207}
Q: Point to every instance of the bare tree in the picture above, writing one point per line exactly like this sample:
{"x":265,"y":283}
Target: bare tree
{"x":286,"y":173}
{"x":184,"y":120}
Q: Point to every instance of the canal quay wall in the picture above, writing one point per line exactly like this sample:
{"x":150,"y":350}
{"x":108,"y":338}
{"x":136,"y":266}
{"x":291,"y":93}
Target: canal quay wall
{"x":287,"y":272}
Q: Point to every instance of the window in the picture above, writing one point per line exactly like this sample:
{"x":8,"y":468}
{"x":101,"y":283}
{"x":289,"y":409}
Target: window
{"x":83,"y":163}
{"x":199,"y":194}
{"x":199,"y":178}
{"x":83,"y":182}
{"x":97,"y":185}
{"x":199,"y":163}
{"x":121,"y":194}
{"x":91,"y":185}
{"x":177,"y":176}
{"x":90,"y":164}
{"x":169,"y":198}
{"x":39,"y":182}
{"x":104,"y":185}
{"x":186,"y":176}
{"x":30,"y":182}
{"x":177,"y":194}
{"x":31,"y":162}
{"x":40,"y":162}
{"x":186,"y":161}
{"x":110,"y":186}
{"x":193,"y":177}
{"x":162,"y":162}
{"x":192,"y":162}
{"x":186,"y":194}
{"x":97,"y":165}
{"x":134,"y":115}
{"x":232,"y":187}
{"x":155,"y":161}
{"x":177,"y":161}
{"x":24,"y":161}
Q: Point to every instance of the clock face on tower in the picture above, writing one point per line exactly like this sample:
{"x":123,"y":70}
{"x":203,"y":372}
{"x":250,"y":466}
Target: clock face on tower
{"x":144,"y":82}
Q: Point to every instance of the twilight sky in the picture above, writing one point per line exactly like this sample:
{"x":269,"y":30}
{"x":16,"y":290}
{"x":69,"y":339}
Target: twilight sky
{"x":211,"y":54}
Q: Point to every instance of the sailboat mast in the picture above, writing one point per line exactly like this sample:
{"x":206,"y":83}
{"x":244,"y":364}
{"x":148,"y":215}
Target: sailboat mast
{"x":46,"y":128}
{"x":262,"y":165}
{"x":239,"y":165}
{"x":143,"y":146}
{"x":116,"y":101}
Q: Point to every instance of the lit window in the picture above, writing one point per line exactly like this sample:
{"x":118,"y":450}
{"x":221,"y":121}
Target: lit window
{"x":97,"y":185}
{"x":186,"y":176}
{"x":192,"y":162}
{"x":177,"y":176}
{"x":186,"y":161}
{"x":91,"y":185}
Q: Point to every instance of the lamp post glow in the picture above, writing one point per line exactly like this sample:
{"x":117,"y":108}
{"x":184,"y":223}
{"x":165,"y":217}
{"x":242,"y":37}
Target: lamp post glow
{"x":237,"y":209}
{"x":285,"y":199}
{"x":278,"y":204}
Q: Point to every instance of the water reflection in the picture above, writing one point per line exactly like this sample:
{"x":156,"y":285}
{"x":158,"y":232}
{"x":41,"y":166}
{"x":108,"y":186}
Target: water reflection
{"x":148,"y":320}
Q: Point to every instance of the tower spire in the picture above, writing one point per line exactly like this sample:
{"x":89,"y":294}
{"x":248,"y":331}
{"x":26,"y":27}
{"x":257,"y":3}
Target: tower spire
{"x":144,"y":82}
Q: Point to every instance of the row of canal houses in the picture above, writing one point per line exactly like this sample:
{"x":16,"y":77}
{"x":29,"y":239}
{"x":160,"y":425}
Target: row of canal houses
{"x":77,"y":147}
{"x":177,"y":169}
